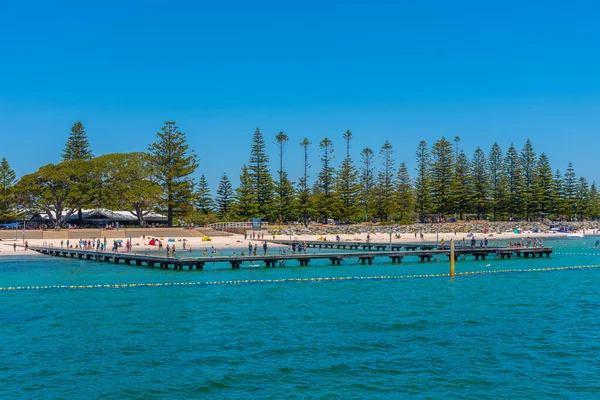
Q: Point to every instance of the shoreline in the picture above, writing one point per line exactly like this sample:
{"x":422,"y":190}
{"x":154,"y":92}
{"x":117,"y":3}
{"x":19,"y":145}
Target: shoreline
{"x":237,"y":242}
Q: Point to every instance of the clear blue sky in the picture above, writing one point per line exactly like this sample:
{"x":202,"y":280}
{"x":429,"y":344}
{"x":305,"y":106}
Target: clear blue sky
{"x":398,"y":71}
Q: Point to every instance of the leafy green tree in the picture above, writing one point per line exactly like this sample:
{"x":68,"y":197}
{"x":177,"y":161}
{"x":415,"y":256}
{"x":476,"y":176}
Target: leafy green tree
{"x":173,"y":166}
{"x":224,"y":197}
{"x":77,"y":146}
{"x":367,"y":180}
{"x":594,"y":201}
{"x":514,"y":182}
{"x":385,"y":182}
{"x":262,"y":182}
{"x":50,"y":190}
{"x":325,"y":199}
{"x":544,"y":185}
{"x":204,"y":201}
{"x":284,"y":188}
{"x":8,"y":178}
{"x":304,"y":197}
{"x":123,"y":181}
{"x":404,"y":192}
{"x":529,"y":171}
{"x":480,"y":179}
{"x":497,"y":181}
{"x":347,"y":184}
{"x":422,"y":181}
{"x":442,"y":172}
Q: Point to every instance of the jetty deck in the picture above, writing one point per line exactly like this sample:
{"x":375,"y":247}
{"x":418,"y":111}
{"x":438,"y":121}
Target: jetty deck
{"x":273,"y":260}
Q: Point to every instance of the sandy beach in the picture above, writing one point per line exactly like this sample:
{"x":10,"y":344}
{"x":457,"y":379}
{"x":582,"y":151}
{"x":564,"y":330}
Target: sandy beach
{"x":238,"y":242}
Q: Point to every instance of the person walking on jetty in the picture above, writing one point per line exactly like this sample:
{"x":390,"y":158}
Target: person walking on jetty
{"x":168,"y":251}
{"x":173,"y":250}
{"x":250,"y":248}
{"x":255,"y":248}
{"x":265,"y":248}
{"x":485,"y":242}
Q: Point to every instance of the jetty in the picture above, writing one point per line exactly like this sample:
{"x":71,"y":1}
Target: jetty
{"x":273,"y":260}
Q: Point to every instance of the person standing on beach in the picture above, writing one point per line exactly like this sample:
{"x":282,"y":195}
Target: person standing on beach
{"x":14,"y":246}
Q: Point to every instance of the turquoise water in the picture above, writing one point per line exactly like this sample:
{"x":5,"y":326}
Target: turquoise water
{"x":505,"y":335}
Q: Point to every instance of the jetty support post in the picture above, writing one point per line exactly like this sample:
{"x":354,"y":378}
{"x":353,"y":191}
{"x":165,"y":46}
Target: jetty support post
{"x":451,"y":257}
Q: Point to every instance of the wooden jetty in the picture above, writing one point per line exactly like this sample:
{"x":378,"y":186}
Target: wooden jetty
{"x":272,"y":260}
{"x":353,"y":245}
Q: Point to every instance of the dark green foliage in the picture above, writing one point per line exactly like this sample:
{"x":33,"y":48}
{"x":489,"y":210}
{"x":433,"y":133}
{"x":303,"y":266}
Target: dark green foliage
{"x":262,"y":182}
{"x":514,"y":182}
{"x":497,"y":179}
{"x":480,"y":182}
{"x":224,"y":197}
{"x":284,"y":188}
{"x":304,"y":196}
{"x":173,"y":166}
{"x":347,"y":184}
{"x":422,"y":181}
{"x":529,"y":171}
{"x":367,"y":181}
{"x":204,"y":201}
{"x":325,"y":199}
{"x":77,"y":146}
{"x":404,"y":193}
{"x":442,"y":172}
{"x":8,"y":178}
{"x":384,"y":189}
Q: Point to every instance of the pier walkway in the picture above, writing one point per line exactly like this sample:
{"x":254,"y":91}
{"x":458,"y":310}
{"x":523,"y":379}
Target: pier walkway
{"x":272,"y":260}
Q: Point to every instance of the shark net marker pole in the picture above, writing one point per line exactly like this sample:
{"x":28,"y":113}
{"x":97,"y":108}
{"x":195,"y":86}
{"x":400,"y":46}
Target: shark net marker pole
{"x":451,"y":257}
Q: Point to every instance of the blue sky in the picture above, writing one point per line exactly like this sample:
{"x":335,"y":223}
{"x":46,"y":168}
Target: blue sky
{"x":398,"y":71}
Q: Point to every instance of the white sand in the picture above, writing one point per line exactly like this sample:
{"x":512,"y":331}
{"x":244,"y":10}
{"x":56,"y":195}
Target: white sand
{"x":238,"y":242}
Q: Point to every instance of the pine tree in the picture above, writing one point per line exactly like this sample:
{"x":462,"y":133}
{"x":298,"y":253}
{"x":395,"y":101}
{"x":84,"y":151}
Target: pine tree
{"x":558,"y":201}
{"x":385,"y":182}
{"x":442,"y":172}
{"x":173,"y":165}
{"x":528,"y":167}
{"x":347,"y":184}
{"x":246,"y":205}
{"x":404,"y":192}
{"x":204,"y":201}
{"x":325,"y":198}
{"x":367,"y":180}
{"x":304,"y":197}
{"x":283,"y":187}
{"x":462,"y":187}
{"x":514,"y":182}
{"x":543,"y":185}
{"x":480,"y":179}
{"x":570,"y":191}
{"x":77,"y":146}
{"x":8,"y":179}
{"x":582,"y":202}
{"x":594,"y":202}
{"x":262,"y":182}
{"x":422,"y":181}
{"x":497,"y":181}
{"x":224,"y":197}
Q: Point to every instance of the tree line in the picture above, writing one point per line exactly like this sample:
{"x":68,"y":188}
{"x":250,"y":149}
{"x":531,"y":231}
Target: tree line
{"x":446,"y":183}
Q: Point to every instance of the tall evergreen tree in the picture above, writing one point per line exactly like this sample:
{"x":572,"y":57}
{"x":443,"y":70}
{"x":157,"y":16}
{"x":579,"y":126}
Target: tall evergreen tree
{"x":582,"y":199}
{"x":462,"y":187}
{"x":404,"y":193}
{"x":529,"y":170}
{"x":283,"y":187}
{"x":325,"y":181}
{"x":497,"y":181}
{"x":8,"y":179}
{"x":258,"y":168}
{"x":245,"y":206}
{"x":304,"y":198}
{"x":385,"y":182}
{"x":347,"y":184}
{"x":422,"y":181}
{"x":544,"y":185}
{"x":570,"y":191}
{"x":77,"y":146}
{"x":173,"y":165}
{"x":442,"y":172}
{"x":204,"y":201}
{"x":367,"y":180}
{"x":514,"y":182}
{"x":594,"y":201}
{"x":480,"y":179}
{"x":224,"y":197}
{"x":558,"y":191}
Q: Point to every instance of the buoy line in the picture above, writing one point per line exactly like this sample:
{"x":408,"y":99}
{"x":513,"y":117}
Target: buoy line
{"x":577,"y":254}
{"x":288,"y":280}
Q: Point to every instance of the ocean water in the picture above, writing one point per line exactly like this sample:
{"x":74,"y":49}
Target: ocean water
{"x":504,"y":335}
